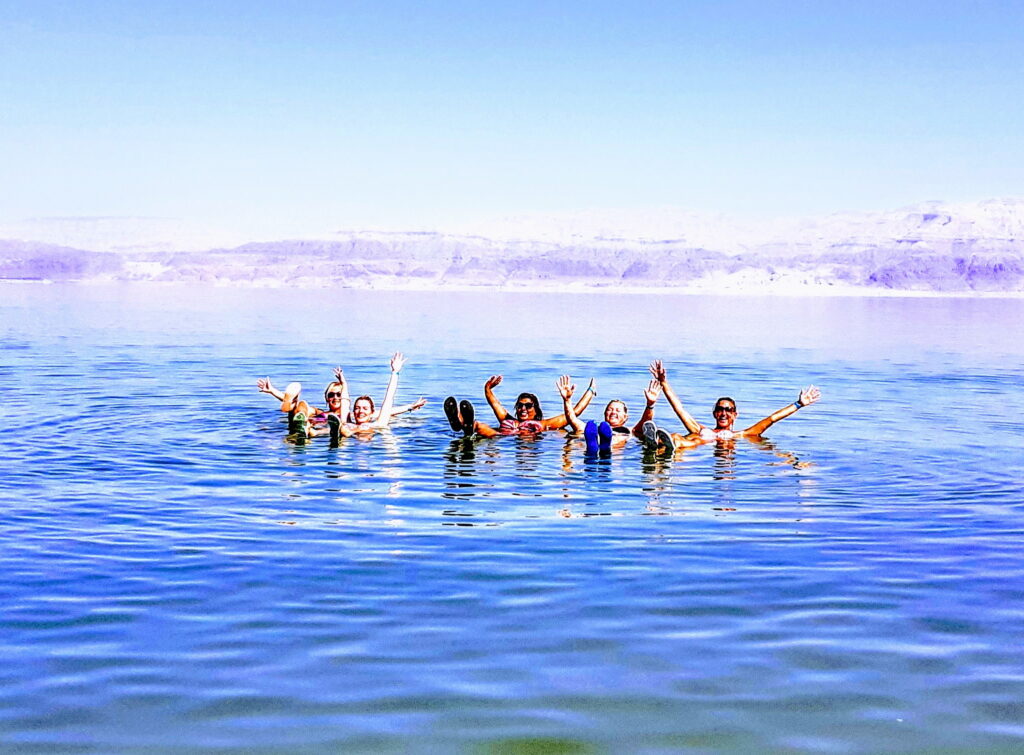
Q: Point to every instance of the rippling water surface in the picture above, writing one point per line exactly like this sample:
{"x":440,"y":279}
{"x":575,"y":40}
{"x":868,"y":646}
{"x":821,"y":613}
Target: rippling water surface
{"x":175,"y":576}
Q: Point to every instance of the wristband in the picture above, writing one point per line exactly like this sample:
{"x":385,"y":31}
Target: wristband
{"x":797,"y":404}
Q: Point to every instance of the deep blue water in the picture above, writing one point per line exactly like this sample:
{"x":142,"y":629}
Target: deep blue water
{"x":175,"y":576}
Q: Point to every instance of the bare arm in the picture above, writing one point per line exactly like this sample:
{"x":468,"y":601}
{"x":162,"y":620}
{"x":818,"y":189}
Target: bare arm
{"x":346,"y":402}
{"x":493,"y":382}
{"x":559,"y":421}
{"x":417,"y":404}
{"x":808,"y":395}
{"x":565,"y":390}
{"x":651,"y":394}
{"x":397,"y":362}
{"x":661,"y":375}
{"x":263,"y":385}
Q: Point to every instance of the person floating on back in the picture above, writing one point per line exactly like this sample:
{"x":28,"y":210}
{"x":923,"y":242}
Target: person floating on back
{"x":612,"y":431}
{"x":528,"y":418}
{"x":342,"y":417}
{"x":725,"y":414}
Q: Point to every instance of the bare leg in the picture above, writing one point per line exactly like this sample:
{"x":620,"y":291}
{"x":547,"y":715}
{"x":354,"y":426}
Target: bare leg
{"x":485,"y":430}
{"x":291,"y":395}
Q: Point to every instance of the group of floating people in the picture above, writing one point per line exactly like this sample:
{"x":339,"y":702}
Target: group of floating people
{"x":344,"y":418}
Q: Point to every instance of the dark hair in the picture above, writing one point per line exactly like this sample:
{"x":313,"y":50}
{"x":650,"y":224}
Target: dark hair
{"x":726,"y":398}
{"x":535,"y":400}
{"x":360,"y":399}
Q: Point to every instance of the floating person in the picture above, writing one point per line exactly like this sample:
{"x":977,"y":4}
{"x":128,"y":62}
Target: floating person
{"x":612,"y":431}
{"x":303,"y":419}
{"x":364,"y":418}
{"x":528,"y":420}
{"x":725,"y":413}
{"x":310,"y":421}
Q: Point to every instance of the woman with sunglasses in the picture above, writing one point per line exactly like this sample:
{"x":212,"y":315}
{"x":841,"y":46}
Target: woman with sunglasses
{"x":527,"y":420}
{"x":725,"y":414}
{"x":304,"y":419}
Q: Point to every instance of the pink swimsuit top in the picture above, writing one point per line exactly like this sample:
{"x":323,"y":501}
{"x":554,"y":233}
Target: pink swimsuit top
{"x":511,"y":426}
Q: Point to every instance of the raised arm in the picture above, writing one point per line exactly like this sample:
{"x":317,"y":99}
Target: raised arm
{"x":561,"y":420}
{"x":565,"y":388}
{"x":808,"y":395}
{"x":493,"y":382}
{"x":417,"y":404}
{"x":661,"y":375}
{"x":651,"y":394}
{"x":263,"y":385}
{"x":346,"y":402}
{"x":397,"y":362}
{"x":288,"y":397}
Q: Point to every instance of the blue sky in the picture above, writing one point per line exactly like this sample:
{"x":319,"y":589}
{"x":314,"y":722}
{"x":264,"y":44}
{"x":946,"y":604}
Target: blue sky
{"x":331,"y":114}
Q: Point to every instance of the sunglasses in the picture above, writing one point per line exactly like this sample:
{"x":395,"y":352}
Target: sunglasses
{"x":333,"y":394}
{"x":524,"y":405}
{"x":724,"y":409}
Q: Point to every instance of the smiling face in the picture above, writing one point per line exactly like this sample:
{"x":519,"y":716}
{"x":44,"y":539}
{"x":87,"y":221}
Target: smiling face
{"x":333,"y":397}
{"x":527,"y":407}
{"x":616,"y":414}
{"x":724,"y":413}
{"x":362,"y":410}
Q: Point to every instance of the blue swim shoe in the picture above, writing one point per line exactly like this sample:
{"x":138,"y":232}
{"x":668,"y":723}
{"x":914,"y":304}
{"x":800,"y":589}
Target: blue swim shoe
{"x":604,"y":434}
{"x":590,"y":433}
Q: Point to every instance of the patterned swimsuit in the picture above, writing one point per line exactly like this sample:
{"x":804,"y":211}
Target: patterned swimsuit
{"x":511,"y":426}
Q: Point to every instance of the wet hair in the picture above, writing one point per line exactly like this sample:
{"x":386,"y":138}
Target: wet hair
{"x":726,"y":398}
{"x":617,"y":401}
{"x":535,"y":400}
{"x":363,"y":398}
{"x":328,"y":388}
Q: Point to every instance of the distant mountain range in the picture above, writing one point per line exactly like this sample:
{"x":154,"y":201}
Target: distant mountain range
{"x":933,"y":247}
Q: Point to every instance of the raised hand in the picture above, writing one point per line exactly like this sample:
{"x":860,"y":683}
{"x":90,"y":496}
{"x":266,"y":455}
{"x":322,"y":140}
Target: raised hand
{"x":397,"y":362}
{"x":417,"y":404}
{"x":657,"y":369}
{"x":565,"y":387}
{"x":339,"y":375}
{"x":493,"y":381}
{"x":652,"y":391}
{"x":264,"y":385}
{"x":808,"y":395}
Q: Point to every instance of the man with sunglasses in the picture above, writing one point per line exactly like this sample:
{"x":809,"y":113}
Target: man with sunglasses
{"x":725,"y":414}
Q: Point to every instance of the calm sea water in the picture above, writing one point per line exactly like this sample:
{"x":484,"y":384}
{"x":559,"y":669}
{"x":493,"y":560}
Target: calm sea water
{"x":175,"y":576}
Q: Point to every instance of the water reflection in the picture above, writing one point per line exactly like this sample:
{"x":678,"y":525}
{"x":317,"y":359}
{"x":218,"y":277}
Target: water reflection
{"x":724,"y":455}
{"x":459,"y":470}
